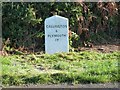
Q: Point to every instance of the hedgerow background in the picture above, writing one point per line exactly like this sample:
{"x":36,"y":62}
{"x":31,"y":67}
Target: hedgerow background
{"x":23,"y":23}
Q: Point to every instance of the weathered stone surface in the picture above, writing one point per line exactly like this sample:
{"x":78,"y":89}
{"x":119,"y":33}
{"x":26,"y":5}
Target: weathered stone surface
{"x":56,"y":35}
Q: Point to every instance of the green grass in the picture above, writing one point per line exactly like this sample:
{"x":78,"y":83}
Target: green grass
{"x":73,"y":67}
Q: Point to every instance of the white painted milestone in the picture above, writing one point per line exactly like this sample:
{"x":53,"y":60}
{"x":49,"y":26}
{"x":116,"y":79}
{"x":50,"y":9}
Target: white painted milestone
{"x":56,"y":35}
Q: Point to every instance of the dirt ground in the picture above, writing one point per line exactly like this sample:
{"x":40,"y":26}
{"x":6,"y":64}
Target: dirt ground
{"x":102,"y":48}
{"x":113,"y":45}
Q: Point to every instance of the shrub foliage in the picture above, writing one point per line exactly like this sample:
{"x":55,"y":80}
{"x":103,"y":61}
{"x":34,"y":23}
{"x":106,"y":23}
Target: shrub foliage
{"x":23,"y":23}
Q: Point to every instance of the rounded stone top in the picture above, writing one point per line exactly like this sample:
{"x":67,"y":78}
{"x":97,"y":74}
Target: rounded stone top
{"x":56,"y":17}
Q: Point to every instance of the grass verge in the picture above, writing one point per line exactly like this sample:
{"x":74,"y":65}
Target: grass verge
{"x":70,"y":68}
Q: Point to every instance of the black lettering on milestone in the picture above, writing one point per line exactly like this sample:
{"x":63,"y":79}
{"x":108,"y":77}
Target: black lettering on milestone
{"x":64,"y":35}
{"x":46,"y":26}
{"x":52,"y":35}
{"x":56,"y":31}
{"x":56,"y":26}
{"x":55,"y":35}
{"x":49,"y":35}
